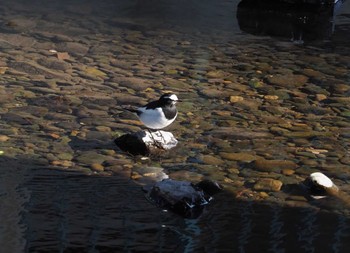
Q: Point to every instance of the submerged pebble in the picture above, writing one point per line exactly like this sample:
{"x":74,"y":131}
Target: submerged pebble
{"x":268,"y":184}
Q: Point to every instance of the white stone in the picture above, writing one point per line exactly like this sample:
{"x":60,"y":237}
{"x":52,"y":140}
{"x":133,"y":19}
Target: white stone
{"x":158,"y":139}
{"x":321,"y":179}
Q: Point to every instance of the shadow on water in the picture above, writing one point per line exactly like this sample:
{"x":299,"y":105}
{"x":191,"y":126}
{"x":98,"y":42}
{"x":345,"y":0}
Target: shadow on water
{"x":189,"y":16}
{"x":251,"y":226}
{"x":46,"y":210}
{"x":297,"y":20}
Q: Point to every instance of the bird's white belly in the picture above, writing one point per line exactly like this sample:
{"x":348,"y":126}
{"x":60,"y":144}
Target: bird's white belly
{"x":154,"y":118}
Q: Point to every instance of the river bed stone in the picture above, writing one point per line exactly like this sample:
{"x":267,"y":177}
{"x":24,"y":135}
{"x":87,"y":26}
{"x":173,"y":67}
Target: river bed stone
{"x":274,"y":165}
{"x":268,"y":184}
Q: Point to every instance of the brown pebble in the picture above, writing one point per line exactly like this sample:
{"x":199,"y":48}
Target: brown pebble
{"x":135,"y":175}
{"x":4,"y":138}
{"x":320,"y":97}
{"x":288,"y":172}
{"x":233,"y":170}
{"x":273,"y":165}
{"x":271,"y":97}
{"x":63,"y":56}
{"x":228,"y":180}
{"x":268,"y":184}
{"x":235,"y":99}
{"x":244,"y":157}
{"x":263,"y":195}
{"x":212,"y":160}
{"x":97,"y":167}
{"x":63,"y":163}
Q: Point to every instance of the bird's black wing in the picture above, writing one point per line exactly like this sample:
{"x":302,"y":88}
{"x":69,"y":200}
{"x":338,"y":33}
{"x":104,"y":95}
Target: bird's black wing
{"x":153,"y":105}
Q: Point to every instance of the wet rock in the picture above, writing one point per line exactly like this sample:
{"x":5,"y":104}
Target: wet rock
{"x":94,"y":72}
{"x":146,"y":142}
{"x":340,"y":88}
{"x":62,"y":56}
{"x":214,"y":93}
{"x":4,"y":138}
{"x":215,"y":74}
{"x":65,"y":156}
{"x":319,"y":185}
{"x":271,"y":97}
{"x":243,"y":157}
{"x":274,"y":165}
{"x":33,"y":110}
{"x":320,"y":97}
{"x":212,"y":160}
{"x":97,"y":167}
{"x":235,"y":99}
{"x":35,"y":69}
{"x":91,"y":157}
{"x":236,"y":133}
{"x":345,"y":160}
{"x":16,"y":40}
{"x":18,"y":119}
{"x":287,"y":80}
{"x":268,"y":184}
{"x":54,"y":64}
{"x":186,"y":175}
{"x":103,"y":129}
{"x":313,"y":109}
{"x":139,"y":84}
{"x":97,"y":135}
{"x":183,"y":197}
{"x":148,"y":175}
{"x":312,"y":73}
{"x":123,"y":98}
{"x":3,"y":70}
{"x":345,"y":114}
{"x":63,"y":163}
{"x":249,"y":105}
{"x":210,"y":171}
{"x":72,"y":48}
{"x":288,"y":172}
{"x":255,"y":83}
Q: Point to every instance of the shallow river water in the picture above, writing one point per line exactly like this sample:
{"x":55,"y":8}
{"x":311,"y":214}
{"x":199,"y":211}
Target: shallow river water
{"x":260,"y":111}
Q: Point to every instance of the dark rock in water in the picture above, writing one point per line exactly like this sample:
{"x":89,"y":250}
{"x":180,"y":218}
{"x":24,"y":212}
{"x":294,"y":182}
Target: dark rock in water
{"x":146,"y":142}
{"x":132,"y":144}
{"x":183,"y":197}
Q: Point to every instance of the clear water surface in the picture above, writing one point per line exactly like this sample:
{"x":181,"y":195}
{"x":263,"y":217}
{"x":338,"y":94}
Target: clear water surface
{"x":59,"y":117}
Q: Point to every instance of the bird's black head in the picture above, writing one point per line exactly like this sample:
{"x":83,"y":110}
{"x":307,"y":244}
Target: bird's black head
{"x":169,"y":99}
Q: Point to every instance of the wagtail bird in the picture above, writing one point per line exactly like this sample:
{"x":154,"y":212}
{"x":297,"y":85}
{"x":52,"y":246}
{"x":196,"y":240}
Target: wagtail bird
{"x":158,"y":114}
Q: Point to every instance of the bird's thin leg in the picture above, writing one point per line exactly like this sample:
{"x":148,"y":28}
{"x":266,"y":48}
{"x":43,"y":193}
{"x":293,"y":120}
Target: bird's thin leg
{"x":162,"y":137}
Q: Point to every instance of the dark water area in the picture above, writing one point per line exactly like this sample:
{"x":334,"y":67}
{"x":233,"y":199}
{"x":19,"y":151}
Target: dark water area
{"x":47,"y":210}
{"x":253,"y":88}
